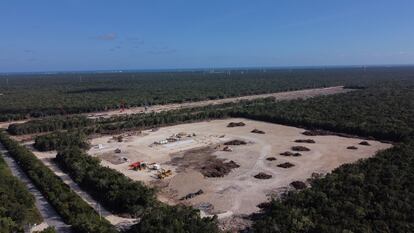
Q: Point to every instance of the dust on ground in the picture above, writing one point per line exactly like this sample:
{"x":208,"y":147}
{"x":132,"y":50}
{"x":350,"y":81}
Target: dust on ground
{"x":185,"y":149}
{"x":287,"y":95}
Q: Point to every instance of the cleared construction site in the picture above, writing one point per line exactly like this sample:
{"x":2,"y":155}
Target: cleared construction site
{"x":228,"y":167}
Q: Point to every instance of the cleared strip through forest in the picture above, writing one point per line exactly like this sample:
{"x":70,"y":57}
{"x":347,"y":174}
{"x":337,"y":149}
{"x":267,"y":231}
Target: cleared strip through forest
{"x":278,"y":96}
{"x":47,"y":157}
{"x":51,"y":218}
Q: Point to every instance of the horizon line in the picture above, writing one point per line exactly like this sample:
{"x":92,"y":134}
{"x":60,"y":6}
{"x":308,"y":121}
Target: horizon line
{"x":161,"y":70}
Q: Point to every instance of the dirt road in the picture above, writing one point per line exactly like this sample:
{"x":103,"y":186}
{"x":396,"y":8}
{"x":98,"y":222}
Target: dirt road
{"x":5,"y":125}
{"x":50,"y":216}
{"x":288,"y":95}
{"x":46,"y":158}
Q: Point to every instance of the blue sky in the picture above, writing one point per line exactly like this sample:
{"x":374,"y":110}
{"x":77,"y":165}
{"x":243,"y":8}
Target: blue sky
{"x":63,"y":35}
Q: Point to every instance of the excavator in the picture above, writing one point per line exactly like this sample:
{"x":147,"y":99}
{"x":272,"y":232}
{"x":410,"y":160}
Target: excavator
{"x":164,"y":173}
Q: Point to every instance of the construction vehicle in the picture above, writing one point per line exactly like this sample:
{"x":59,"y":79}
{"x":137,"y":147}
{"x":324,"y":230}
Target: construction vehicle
{"x":164,"y":173}
{"x":137,"y":166}
{"x":122,"y":105}
{"x":227,"y":148}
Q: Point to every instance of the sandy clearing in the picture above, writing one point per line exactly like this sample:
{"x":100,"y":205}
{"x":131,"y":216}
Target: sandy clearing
{"x":5,"y":125}
{"x":288,"y":95}
{"x":237,"y":193}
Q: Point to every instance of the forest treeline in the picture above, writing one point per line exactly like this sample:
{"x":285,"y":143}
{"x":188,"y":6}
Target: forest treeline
{"x":49,"y":124}
{"x":17,"y":204}
{"x":115,"y":191}
{"x":180,"y":219}
{"x":112,"y":189}
{"x":59,"y":94}
{"x":384,"y":112}
{"x":373,"y":195}
{"x":59,"y":140}
{"x":121,"y":195}
{"x":73,"y":209}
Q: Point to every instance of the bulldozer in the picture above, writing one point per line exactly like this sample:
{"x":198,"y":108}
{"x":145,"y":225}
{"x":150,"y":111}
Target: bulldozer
{"x":164,"y":173}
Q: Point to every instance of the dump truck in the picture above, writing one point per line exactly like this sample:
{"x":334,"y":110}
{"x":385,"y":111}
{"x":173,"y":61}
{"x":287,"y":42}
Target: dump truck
{"x":137,"y":166}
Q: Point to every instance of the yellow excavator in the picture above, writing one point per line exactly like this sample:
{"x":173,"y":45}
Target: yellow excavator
{"x":164,"y":173}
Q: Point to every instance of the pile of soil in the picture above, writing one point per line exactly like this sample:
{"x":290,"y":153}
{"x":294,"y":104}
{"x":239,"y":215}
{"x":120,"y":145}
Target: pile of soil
{"x":316,"y":132}
{"x":305,"y":141}
{"x":205,"y":206}
{"x":236,"y":124}
{"x":262,"y":176}
{"x":218,"y":168}
{"x":288,"y":153}
{"x":298,"y":184}
{"x":264,"y":205}
{"x":364,"y":143}
{"x":286,"y":165}
{"x":113,"y":158}
{"x":235,"y":143}
{"x":321,"y":132}
{"x":192,"y":195}
{"x":352,"y":148}
{"x":271,"y":159}
{"x":300,"y":148}
{"x":202,"y":160}
{"x":258,"y":131}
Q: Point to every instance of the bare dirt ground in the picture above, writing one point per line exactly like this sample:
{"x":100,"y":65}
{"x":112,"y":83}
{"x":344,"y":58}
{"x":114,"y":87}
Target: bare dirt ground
{"x":237,"y":193}
{"x":288,"y":95}
{"x":5,"y":125}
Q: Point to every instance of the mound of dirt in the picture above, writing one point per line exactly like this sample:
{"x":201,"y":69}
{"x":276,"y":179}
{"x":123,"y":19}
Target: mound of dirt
{"x":202,"y":160}
{"x":271,"y":159}
{"x":364,"y":143}
{"x":352,"y":148}
{"x":236,"y":124}
{"x":258,"y":131}
{"x":205,"y":206}
{"x":316,"y":132}
{"x":218,"y":168}
{"x":235,"y":143}
{"x":262,"y":176}
{"x":305,"y":141}
{"x":286,"y":165}
{"x":192,"y":195}
{"x":300,"y":148}
{"x":288,"y":153}
{"x":298,"y":184}
{"x":321,"y":132}
{"x":114,"y":158}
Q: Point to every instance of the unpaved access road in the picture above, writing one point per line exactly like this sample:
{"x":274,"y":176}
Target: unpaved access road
{"x":5,"y":125}
{"x":278,"y":96}
{"x":50,"y":216}
{"x":47,"y":157}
